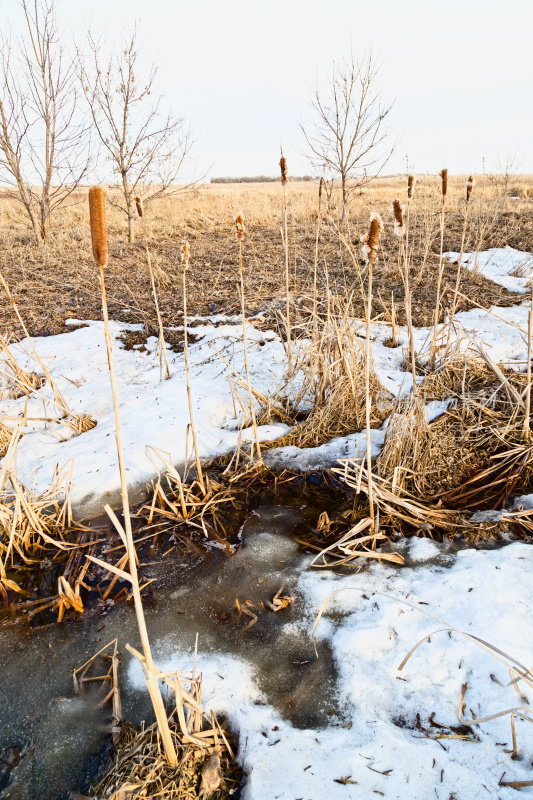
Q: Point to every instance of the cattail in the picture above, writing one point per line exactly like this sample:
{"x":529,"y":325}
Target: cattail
{"x":239,"y":225}
{"x":283,"y":168}
{"x":370,"y":241}
{"x":139,"y":205}
{"x":320,"y":188}
{"x":397,"y":210}
{"x":410,"y":186}
{"x":444,"y":178}
{"x":98,"y":226}
{"x":469,"y":186}
{"x":185,"y":254}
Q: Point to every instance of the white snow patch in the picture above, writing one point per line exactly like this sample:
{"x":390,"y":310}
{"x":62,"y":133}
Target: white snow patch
{"x":154,"y":413}
{"x":510,"y":268}
{"x":378,"y":745}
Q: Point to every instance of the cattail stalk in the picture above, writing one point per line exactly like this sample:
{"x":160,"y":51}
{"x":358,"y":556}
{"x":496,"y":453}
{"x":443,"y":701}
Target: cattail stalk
{"x":469,"y":187}
{"x":315,"y":269}
{"x":99,"y":241}
{"x":239,"y":224}
{"x":185,"y":265}
{"x":444,"y":190}
{"x":372,"y":243}
{"x":162,"y":350}
{"x":283,"y":168}
{"x":526,"y":431}
{"x":400,"y":230}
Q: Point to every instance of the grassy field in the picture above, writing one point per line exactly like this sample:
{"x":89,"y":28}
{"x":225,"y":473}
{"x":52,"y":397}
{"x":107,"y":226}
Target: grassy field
{"x":53,"y":284}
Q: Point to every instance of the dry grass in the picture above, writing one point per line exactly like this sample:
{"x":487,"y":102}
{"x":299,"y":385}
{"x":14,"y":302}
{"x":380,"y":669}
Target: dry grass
{"x":204,"y":215}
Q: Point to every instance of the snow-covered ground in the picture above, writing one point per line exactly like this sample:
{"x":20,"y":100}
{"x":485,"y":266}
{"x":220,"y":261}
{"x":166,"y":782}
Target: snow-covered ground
{"x":510,"y":268}
{"x":377,"y":749}
{"x":155,"y":413}
{"x":376,"y":744}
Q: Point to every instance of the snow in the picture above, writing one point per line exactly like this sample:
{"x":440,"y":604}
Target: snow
{"x":154,"y":413}
{"x":376,"y":743}
{"x":510,"y":268}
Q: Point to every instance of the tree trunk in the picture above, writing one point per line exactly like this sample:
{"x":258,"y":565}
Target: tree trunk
{"x":131,"y":229}
{"x":344,"y":197}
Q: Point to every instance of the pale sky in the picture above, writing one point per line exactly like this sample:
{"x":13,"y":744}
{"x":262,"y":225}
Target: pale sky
{"x":242,"y":73}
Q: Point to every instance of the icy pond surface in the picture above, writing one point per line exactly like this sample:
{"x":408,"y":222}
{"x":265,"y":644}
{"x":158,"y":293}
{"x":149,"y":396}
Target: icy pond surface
{"x":57,"y":732}
{"x":347,"y":724}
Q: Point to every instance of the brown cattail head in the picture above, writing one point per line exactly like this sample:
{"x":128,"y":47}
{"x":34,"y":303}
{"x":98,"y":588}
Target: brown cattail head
{"x":410,"y":186}
{"x":185,"y":254}
{"x":320,"y":188}
{"x":139,"y":205}
{"x":98,"y":227}
{"x":397,"y":210}
{"x":369,"y":249}
{"x":444,"y":178}
{"x":239,"y":225}
{"x":283,"y":168}
{"x":469,"y":186}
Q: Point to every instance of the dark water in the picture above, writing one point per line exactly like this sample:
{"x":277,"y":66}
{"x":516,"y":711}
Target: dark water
{"x":51,"y":741}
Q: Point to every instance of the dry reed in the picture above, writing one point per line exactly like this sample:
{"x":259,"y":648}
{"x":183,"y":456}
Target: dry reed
{"x":185,"y":254}
{"x":99,"y":239}
{"x":161,"y":346}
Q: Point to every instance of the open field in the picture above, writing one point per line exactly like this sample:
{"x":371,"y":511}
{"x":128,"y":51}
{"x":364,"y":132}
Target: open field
{"x":57,"y":283}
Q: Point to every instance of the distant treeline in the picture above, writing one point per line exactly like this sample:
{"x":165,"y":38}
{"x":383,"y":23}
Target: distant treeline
{"x":262,"y":179}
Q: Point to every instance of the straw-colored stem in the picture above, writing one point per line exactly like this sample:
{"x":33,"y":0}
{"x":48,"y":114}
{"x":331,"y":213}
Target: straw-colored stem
{"x":368,"y":400}
{"x":527,"y":428}
{"x":439,"y":283}
{"x":162,"y":347}
{"x":189,"y":397}
{"x":246,"y":366}
{"x":458,"y":276}
{"x":408,"y":299}
{"x":287,"y":291}
{"x":153,"y":686}
{"x":315,"y":268}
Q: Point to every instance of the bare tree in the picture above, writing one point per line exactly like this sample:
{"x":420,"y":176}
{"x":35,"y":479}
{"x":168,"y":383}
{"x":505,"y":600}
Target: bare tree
{"x":44,"y":149}
{"x":347,"y":136}
{"x":145,"y":148}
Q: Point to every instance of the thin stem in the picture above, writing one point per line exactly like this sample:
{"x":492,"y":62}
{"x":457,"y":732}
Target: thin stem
{"x":153,"y":686}
{"x":527,"y":428}
{"x":162,"y":347}
{"x":286,"y":247}
{"x":458,"y":276}
{"x":250,"y":393}
{"x":439,"y":282}
{"x":186,"y":355}
{"x":368,"y":403}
